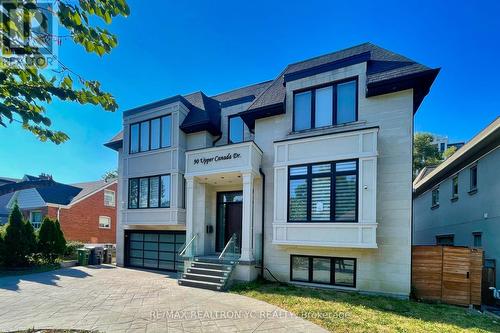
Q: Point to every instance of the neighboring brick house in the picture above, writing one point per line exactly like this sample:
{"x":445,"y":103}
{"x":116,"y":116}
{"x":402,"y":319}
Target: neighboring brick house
{"x":86,"y":211}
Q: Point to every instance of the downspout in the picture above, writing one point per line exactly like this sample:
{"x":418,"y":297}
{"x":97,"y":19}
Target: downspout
{"x":262,"y":220}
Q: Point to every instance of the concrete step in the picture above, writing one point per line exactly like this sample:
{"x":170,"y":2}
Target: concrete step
{"x":207,"y":271}
{"x":201,"y":284}
{"x":209,"y":265}
{"x":215,"y":260}
{"x":205,"y":278}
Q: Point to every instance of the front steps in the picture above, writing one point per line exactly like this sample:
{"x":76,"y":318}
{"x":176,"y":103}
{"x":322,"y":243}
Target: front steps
{"x":207,"y":274}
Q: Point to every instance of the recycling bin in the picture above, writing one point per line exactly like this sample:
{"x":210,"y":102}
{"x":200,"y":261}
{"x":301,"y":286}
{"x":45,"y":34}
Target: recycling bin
{"x":83,"y":256}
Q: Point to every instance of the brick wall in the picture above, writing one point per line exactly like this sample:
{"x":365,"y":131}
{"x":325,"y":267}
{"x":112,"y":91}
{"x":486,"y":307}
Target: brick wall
{"x":26,"y":212}
{"x":81,"y":221}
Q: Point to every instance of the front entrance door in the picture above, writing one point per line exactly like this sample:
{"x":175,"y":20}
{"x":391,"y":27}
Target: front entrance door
{"x":229,"y":216}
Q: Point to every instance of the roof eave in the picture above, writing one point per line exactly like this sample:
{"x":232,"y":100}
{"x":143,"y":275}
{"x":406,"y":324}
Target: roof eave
{"x":115,"y":145}
{"x":344,"y":62}
{"x":421,"y":82}
{"x":157,"y":104}
{"x":479,"y":149}
{"x":249,"y":116}
{"x":201,"y":126}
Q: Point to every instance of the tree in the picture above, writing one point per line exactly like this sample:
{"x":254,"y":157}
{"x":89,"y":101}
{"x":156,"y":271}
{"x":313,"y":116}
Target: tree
{"x":46,"y":239}
{"x":60,"y":240}
{"x":27,"y":85}
{"x":19,"y":240}
{"x":110,"y":175}
{"x":2,"y":250}
{"x":51,"y":242}
{"x":424,"y":152}
{"x":449,"y":151}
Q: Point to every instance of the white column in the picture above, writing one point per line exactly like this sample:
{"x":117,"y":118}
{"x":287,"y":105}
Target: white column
{"x":189,"y":207}
{"x":246,"y":225}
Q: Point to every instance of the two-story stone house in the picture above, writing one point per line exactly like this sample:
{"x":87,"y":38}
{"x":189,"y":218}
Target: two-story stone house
{"x":306,"y":178}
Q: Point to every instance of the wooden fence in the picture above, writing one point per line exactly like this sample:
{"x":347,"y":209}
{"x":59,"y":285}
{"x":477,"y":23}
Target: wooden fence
{"x":448,"y":274}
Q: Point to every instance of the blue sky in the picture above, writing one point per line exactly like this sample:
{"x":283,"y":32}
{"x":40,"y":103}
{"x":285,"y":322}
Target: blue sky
{"x":176,"y":47}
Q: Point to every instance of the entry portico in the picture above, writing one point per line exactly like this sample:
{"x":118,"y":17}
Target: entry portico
{"x":222,"y":184}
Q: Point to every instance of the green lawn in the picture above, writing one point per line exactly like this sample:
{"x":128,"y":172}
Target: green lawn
{"x":353,"y":312}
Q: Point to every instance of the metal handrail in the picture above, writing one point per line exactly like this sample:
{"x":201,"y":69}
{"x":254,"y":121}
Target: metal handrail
{"x":231,"y":240}
{"x":183,"y":252}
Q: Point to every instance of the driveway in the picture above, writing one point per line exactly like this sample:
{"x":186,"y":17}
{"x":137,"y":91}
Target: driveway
{"x":113,"y":299}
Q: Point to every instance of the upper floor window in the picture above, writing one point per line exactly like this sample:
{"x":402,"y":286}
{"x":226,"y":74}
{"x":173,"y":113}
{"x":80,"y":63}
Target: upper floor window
{"x":149,"y":192}
{"x":435,"y":197}
{"x":478,"y":241}
{"x":473,"y":178}
{"x":109,"y":198}
{"x":236,"y":129}
{"x":323,"y":192}
{"x":36,"y":218}
{"x":448,"y":240}
{"x":151,"y":134}
{"x":325,"y":105}
{"x":104,"y":222}
{"x":454,"y":187}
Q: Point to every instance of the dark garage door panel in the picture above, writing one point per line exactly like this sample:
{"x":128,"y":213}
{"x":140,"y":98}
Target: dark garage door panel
{"x":154,"y":249}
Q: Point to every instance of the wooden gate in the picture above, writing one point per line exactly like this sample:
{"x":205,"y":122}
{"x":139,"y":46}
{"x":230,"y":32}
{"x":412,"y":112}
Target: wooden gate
{"x":448,"y":274}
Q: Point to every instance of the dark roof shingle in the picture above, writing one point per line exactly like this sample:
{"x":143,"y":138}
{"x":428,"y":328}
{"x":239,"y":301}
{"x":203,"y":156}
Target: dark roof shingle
{"x":386,"y":72}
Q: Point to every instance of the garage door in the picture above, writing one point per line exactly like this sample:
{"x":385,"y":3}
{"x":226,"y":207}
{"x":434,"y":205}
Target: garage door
{"x":155,"y":249}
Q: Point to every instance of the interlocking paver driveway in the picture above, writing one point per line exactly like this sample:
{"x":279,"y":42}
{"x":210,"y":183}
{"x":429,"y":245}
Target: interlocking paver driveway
{"x":113,"y":299}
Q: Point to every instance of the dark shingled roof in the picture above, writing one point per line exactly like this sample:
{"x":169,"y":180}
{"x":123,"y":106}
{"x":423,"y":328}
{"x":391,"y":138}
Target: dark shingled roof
{"x":116,"y":142}
{"x":204,"y":111}
{"x":382,"y":67}
{"x":386,"y":72}
{"x":252,"y":90}
{"x":51,"y":191}
{"x":60,"y":194}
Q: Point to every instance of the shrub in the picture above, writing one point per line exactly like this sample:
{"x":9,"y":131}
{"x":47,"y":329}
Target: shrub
{"x":51,"y":242}
{"x":19,"y":240}
{"x":71,"y":248}
{"x":60,"y":240}
{"x":2,"y":232}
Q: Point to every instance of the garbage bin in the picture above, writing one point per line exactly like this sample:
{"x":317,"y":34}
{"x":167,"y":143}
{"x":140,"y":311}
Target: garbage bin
{"x":91,"y":250}
{"x":108,"y":256}
{"x":83,"y":256}
{"x":98,"y":255}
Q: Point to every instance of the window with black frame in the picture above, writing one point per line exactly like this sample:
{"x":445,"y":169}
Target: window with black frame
{"x":435,"y":198}
{"x":473,"y":179}
{"x":323,"y":270}
{"x":323,"y":192}
{"x":325,"y":105}
{"x":150,"y":134}
{"x":149,"y":192}
{"x":236,"y":129}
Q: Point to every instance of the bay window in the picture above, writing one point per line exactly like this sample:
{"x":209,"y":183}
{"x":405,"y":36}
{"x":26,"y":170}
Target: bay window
{"x":150,"y":134}
{"x":149,"y":192}
{"x":323,"y":192}
{"x":326,"y":105}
